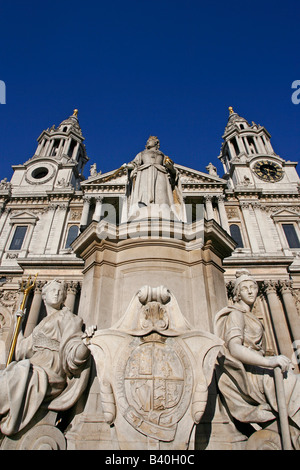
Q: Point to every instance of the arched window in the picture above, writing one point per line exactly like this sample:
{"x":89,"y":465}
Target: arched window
{"x":72,"y":234}
{"x":235,"y":232}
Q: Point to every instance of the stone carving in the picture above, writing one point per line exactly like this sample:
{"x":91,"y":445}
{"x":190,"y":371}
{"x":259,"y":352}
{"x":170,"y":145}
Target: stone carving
{"x":154,"y":180}
{"x":5,"y":184}
{"x":154,"y":371}
{"x":212,"y":170}
{"x":50,"y":373}
{"x":246,"y":374}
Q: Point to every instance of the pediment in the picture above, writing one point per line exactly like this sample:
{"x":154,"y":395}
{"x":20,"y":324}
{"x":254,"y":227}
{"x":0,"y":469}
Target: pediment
{"x":118,"y":176}
{"x":286,"y":213}
{"x":23,"y":217}
{"x":190,"y":176}
{"x":187,"y":176}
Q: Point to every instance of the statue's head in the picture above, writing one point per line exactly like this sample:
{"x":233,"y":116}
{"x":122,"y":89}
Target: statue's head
{"x":152,"y":142}
{"x":54,"y":293}
{"x":245,"y":287}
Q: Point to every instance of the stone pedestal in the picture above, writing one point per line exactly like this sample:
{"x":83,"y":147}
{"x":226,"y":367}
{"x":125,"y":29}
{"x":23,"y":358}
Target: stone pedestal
{"x":119,"y":260}
{"x":154,"y":371}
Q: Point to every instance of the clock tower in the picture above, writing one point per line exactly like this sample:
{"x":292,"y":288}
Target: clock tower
{"x":249,"y":160}
{"x":58,"y":162}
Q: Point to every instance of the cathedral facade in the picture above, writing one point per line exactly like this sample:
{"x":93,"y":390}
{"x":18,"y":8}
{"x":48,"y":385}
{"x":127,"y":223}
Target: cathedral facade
{"x":152,"y":223}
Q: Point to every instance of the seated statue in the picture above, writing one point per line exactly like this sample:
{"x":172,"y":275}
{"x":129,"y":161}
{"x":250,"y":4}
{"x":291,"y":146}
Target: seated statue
{"x":247,"y":380}
{"x":51,"y":365}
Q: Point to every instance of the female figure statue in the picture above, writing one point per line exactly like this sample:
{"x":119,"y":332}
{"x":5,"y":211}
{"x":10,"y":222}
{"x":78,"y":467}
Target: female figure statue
{"x":246,"y":379}
{"x":154,"y":178}
{"x":48,"y":366}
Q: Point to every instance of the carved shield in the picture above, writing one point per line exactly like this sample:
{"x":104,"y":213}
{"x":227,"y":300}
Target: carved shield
{"x":155,"y":384}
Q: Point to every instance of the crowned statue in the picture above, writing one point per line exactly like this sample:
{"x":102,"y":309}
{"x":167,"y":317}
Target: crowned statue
{"x":154,"y":180}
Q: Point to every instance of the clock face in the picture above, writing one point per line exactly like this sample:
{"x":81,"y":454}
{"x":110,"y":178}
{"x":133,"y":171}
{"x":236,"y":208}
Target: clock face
{"x":268,"y":171}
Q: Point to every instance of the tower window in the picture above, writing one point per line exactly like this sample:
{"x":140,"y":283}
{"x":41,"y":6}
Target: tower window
{"x":235,"y":232}
{"x":235,"y":145}
{"x":18,"y":238}
{"x":40,"y":173}
{"x":252,"y":145}
{"x":55,"y":147}
{"x":291,"y":235}
{"x":72,"y":234}
{"x":71,"y":149}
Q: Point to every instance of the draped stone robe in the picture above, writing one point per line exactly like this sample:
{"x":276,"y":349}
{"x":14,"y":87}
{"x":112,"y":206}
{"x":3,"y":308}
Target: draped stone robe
{"x":151,"y":179}
{"x":249,"y":390}
{"x":47,"y":371}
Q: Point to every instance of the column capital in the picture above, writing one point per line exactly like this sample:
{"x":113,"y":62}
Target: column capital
{"x":257,"y":205}
{"x":73,"y":287}
{"x":269,"y":286}
{"x":245,"y":204}
{"x":39,"y":286}
{"x":86,"y":199}
{"x":285,"y":286}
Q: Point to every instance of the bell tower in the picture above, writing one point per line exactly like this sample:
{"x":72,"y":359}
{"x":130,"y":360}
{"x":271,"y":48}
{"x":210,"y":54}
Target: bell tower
{"x":58,"y":161}
{"x":249,"y":159}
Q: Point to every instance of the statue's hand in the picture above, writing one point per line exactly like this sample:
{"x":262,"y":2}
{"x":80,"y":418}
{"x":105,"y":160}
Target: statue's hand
{"x":168,"y":161}
{"x":20,"y":314}
{"x":88,"y":334}
{"x":282,"y":361}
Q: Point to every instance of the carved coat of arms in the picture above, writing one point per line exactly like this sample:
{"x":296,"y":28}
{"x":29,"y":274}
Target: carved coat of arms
{"x":154,"y":371}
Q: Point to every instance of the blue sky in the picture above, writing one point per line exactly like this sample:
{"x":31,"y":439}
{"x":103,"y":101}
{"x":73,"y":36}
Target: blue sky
{"x":136,"y":68}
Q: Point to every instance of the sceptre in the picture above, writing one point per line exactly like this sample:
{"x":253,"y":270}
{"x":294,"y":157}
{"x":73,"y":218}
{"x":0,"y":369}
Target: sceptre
{"x":282,"y":411}
{"x":26,"y":289}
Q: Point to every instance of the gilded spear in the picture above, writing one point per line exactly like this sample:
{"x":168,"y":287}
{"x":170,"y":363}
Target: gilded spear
{"x":25,"y":288}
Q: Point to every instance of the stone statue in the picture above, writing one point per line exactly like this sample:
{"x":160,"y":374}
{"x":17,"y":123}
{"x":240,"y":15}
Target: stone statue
{"x":212,"y":170}
{"x":247,"y":380}
{"x":154,"y":370}
{"x":93,"y":169}
{"x":154,"y":179}
{"x":51,"y":367}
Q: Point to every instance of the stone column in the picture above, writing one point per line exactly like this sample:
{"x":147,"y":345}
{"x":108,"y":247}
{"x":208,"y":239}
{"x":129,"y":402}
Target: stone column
{"x":67,"y":146}
{"x":222,"y":212}
{"x":97,"y":213}
{"x":251,"y":226}
{"x":246,"y":145}
{"x":72,"y":289}
{"x":209,"y":206}
{"x":34,"y":312}
{"x":85,"y":212}
{"x":49,"y":150}
{"x":58,"y":227}
{"x":75,"y":151}
{"x":285,"y":288}
{"x":265,"y":240}
{"x":278,"y":319}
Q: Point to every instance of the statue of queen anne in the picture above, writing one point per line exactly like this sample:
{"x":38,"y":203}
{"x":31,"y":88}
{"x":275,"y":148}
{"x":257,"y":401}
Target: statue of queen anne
{"x":154,"y":180}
